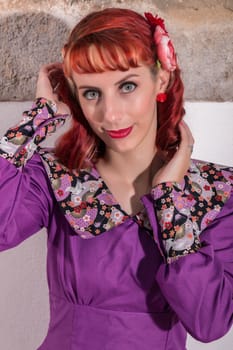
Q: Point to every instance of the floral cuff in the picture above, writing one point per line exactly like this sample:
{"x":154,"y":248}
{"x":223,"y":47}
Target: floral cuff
{"x":180,"y":234}
{"x":20,"y":142}
{"x":185,"y":209}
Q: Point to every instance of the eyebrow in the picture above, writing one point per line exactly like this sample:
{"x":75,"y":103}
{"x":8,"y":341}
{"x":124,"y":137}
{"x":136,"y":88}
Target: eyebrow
{"x":129,"y":76}
{"x":126,"y":78}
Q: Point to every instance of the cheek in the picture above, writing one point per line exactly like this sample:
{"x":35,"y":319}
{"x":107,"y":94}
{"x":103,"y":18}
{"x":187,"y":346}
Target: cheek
{"x":145,"y":105}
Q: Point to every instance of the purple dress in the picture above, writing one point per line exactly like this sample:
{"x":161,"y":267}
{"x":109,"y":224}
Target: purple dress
{"x":120,"y":282}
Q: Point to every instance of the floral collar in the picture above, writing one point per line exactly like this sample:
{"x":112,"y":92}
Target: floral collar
{"x":91,"y":209}
{"x":85,"y":199}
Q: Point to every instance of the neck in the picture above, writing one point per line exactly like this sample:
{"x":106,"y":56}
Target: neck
{"x":129,"y":165}
{"x":129,"y":175}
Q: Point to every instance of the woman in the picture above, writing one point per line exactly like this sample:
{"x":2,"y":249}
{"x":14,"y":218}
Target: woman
{"x":139,"y":237}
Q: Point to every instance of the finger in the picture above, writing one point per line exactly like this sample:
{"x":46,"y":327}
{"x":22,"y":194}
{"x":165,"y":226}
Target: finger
{"x":48,"y":71}
{"x":188,"y":131}
{"x":50,"y":75}
{"x":50,"y":66}
{"x":187,"y":140}
{"x":185,"y":131}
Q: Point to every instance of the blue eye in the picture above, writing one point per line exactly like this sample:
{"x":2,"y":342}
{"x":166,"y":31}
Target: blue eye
{"x":128,"y":87}
{"x":91,"y":94}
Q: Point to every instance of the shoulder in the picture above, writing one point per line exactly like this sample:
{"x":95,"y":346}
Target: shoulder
{"x":208,"y":176}
{"x":212,"y":186}
{"x":205,"y":194}
{"x":212,"y":169}
{"x":216,"y":184}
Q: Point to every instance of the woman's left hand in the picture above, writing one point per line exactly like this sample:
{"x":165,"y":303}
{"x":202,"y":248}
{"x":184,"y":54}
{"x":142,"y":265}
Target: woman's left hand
{"x":175,"y":169}
{"x":48,"y":83}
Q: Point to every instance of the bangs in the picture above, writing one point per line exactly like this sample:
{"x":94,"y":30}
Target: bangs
{"x":100,"y":54}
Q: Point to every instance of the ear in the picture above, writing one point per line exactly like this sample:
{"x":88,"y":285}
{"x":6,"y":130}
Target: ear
{"x":163,"y":80}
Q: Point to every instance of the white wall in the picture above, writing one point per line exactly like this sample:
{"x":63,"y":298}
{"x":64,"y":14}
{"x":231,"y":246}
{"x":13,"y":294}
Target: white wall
{"x":24,"y":309}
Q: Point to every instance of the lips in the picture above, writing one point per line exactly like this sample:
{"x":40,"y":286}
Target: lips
{"x":118,"y":134}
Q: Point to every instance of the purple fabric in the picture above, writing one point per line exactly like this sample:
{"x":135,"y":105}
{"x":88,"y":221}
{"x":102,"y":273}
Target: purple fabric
{"x":115,"y":292}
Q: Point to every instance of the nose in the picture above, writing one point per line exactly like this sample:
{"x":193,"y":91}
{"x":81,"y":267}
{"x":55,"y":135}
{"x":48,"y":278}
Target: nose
{"x":111,"y":110}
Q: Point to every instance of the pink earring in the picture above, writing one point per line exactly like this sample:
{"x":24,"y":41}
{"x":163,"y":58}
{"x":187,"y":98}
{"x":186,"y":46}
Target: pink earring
{"x":161,"y":97}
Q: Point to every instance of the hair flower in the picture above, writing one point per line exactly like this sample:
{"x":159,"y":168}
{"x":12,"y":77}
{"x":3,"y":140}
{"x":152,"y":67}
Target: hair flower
{"x":165,"y":49}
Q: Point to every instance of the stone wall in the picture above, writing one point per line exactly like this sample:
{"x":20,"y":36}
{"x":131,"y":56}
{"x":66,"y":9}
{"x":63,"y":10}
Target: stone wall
{"x":32,"y":32}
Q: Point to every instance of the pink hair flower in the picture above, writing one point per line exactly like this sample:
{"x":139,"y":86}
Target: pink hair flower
{"x":165,"y":49}
{"x":155,"y":21}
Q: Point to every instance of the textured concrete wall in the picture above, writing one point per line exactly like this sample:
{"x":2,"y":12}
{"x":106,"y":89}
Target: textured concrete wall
{"x":32,"y":33}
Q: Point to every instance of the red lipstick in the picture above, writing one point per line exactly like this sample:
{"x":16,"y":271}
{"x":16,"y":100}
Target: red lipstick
{"x":118,"y":134}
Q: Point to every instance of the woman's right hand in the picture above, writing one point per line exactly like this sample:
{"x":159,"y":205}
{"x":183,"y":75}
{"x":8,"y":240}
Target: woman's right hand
{"x":47,"y":86}
{"x":175,"y":169}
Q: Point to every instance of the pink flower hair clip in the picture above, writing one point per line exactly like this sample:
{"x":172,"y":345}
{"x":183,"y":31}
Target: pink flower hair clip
{"x":165,"y":49}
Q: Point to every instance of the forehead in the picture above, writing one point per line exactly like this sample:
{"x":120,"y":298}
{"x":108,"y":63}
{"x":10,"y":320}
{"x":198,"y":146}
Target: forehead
{"x":111,"y":77}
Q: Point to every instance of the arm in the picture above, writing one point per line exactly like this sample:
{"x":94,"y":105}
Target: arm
{"x":21,"y":141}
{"x":195,"y":238}
{"x":198,"y":280}
{"x":25,"y":192}
{"x":47,"y":114}
{"x":26,"y":201}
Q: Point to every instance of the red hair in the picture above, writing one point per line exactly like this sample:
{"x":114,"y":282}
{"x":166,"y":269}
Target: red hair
{"x":112,"y":39}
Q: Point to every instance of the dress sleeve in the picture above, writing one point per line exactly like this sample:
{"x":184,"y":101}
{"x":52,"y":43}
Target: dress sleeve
{"x":21,"y":141}
{"x":194,"y":232}
{"x":26,"y":201}
{"x":26,"y":198}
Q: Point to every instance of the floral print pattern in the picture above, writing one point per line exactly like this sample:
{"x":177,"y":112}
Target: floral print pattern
{"x":85,"y":199}
{"x":185,"y":209}
{"x":165,"y":49}
{"x":21,"y":141}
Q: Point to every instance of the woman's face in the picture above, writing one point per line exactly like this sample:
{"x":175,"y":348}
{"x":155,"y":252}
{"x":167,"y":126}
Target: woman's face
{"x":120,"y":106}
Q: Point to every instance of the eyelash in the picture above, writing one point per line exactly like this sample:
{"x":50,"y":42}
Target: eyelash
{"x":87,"y":92}
{"x":126,"y":83}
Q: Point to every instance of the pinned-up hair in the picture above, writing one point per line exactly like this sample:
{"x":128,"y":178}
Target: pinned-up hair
{"x":112,"y":39}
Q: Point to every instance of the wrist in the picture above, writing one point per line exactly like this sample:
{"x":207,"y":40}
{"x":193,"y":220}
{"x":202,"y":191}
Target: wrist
{"x":42,"y":102}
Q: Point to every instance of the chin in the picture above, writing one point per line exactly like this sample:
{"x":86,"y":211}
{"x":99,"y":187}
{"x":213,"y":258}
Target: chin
{"x":121,"y":149}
